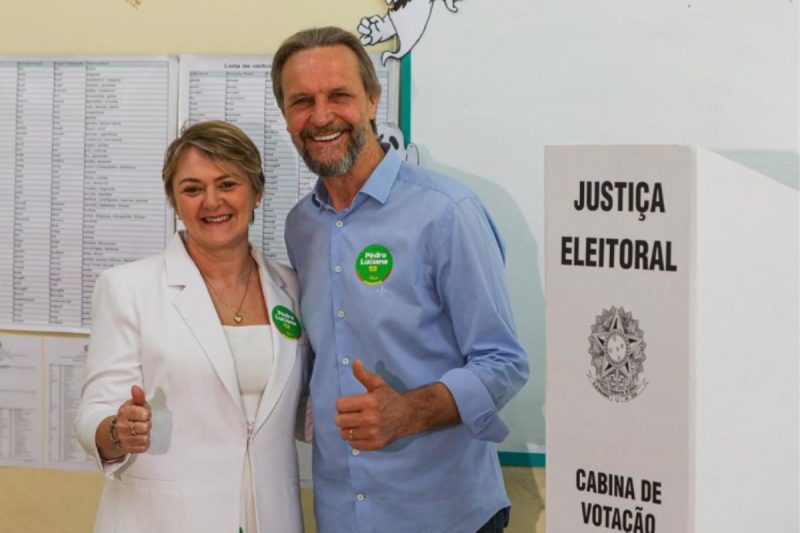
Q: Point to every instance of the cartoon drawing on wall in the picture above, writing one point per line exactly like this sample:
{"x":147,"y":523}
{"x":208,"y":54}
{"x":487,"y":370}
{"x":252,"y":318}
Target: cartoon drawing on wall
{"x":390,"y":133}
{"x":406,"y":19}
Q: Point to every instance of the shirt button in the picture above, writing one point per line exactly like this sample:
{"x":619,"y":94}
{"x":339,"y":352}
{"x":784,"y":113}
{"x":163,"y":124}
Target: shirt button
{"x":340,"y":313}
{"x":356,"y":452}
{"x":359,"y":497}
{"x":337,"y":268}
{"x":339,"y":223}
{"x":345,"y":361}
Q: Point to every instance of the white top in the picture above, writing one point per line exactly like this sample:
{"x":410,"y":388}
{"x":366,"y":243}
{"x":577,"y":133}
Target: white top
{"x":253,"y":355}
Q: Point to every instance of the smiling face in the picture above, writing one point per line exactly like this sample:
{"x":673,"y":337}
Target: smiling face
{"x":214,"y":200}
{"x":327,"y":108}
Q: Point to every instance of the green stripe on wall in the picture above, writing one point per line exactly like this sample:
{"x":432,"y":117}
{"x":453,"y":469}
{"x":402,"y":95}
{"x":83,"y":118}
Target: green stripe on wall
{"x":535,"y":460}
{"x":405,"y":97}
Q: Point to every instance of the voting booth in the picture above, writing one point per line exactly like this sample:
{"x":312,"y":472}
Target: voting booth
{"x":672,"y":343}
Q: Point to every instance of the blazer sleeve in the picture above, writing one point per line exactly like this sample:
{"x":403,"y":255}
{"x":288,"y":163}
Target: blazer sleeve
{"x":113,"y":363}
{"x":304,"y":421}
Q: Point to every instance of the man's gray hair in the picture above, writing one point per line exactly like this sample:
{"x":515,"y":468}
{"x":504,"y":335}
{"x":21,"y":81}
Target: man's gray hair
{"x":318,"y":38}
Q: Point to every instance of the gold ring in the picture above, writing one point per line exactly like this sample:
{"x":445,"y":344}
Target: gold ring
{"x":133,"y":429}
{"x":350,"y":433}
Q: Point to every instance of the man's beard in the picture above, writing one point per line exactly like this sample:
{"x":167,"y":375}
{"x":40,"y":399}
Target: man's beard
{"x":340,"y":167}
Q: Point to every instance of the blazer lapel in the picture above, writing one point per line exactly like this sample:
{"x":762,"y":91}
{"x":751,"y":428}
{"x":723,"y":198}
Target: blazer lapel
{"x":194,"y":305}
{"x":284,"y":348}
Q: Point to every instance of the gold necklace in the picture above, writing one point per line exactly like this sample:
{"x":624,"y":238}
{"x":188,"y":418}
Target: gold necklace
{"x":237,"y":315}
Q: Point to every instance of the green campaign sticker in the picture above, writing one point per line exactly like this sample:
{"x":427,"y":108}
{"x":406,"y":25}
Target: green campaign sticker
{"x":286,"y":322}
{"x":374,"y":264}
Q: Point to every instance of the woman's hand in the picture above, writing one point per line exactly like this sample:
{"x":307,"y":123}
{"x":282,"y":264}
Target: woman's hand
{"x":133,"y":423}
{"x":128,"y":431}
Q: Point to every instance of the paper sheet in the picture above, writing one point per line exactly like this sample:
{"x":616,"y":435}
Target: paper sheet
{"x":82,"y":144}
{"x":20,"y":409}
{"x":64,"y":374}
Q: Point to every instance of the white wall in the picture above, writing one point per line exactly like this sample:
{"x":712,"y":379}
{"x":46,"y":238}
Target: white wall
{"x":497,"y":81}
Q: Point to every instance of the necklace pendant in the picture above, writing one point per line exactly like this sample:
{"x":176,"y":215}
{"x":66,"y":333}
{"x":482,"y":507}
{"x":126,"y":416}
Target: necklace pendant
{"x":238,"y":318}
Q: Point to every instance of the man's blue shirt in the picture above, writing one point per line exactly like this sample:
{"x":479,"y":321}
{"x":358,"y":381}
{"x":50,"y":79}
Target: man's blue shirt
{"x":438,"y":311}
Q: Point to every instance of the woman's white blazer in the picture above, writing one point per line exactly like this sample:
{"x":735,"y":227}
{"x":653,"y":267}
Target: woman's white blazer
{"x":154,"y":325}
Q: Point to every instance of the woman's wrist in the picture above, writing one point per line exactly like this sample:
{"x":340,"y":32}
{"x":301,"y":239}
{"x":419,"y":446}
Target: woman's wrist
{"x":114,"y":434}
{"x":107,"y":440}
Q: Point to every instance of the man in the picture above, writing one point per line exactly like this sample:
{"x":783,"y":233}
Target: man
{"x":404,"y":301}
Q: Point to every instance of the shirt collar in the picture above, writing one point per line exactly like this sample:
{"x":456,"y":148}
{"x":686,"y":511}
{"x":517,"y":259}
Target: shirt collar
{"x":378,"y":185}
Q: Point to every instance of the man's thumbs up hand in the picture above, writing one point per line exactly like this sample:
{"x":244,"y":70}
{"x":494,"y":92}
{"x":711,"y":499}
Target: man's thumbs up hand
{"x":373,"y":420}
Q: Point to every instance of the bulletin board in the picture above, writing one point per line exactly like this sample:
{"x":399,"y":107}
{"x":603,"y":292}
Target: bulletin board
{"x":47,"y":499}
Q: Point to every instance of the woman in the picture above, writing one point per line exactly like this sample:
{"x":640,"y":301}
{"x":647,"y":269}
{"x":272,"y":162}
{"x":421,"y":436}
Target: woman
{"x":197,"y":362}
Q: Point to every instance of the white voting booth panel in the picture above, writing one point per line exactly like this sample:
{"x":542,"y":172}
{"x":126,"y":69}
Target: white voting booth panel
{"x":672,"y":343}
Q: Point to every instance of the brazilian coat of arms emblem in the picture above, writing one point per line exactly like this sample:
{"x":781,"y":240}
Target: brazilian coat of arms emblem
{"x":616,"y":346}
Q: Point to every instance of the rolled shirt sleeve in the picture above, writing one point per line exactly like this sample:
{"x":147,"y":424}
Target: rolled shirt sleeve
{"x":470,"y":280}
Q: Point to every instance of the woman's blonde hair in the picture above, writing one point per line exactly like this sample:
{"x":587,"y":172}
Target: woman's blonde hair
{"x":224,"y":143}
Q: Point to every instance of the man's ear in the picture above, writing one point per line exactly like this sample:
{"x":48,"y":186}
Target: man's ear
{"x":373,"y":106}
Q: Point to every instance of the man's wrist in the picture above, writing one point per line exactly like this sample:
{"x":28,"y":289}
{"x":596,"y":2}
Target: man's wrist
{"x":430,"y":407}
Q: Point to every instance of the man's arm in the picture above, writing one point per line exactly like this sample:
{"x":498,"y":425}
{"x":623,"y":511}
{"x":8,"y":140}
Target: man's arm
{"x":469,"y":275}
{"x":471,"y":284}
{"x":373,"y":420}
